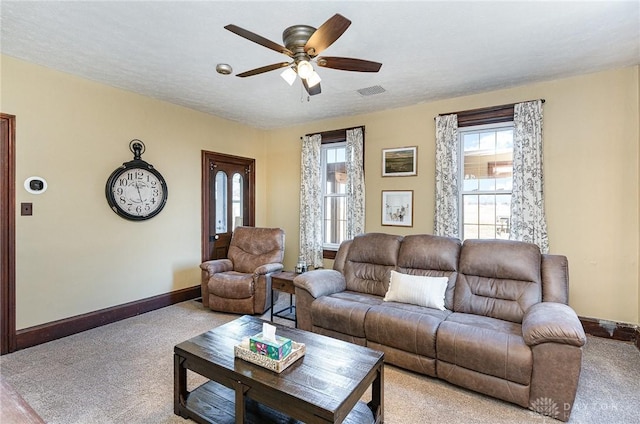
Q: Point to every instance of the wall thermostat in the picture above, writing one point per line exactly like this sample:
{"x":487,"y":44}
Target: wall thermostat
{"x":35,"y":185}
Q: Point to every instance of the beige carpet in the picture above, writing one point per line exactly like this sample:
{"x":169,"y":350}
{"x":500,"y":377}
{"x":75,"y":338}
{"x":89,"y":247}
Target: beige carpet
{"x":123,"y":373}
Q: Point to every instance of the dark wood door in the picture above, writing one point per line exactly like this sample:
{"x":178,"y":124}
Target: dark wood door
{"x":7,"y":234}
{"x":228,"y":200}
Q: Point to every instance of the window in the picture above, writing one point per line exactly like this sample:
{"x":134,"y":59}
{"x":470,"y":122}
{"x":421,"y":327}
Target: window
{"x":489,"y":176}
{"x":334,"y":195}
{"x":486,"y":180}
{"x":332,"y":192}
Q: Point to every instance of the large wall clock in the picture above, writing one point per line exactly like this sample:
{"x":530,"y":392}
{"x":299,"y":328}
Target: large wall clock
{"x":136,"y":190}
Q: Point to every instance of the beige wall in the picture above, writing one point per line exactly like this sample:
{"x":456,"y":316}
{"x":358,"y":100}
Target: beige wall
{"x":591,"y":178}
{"x":74,"y":255}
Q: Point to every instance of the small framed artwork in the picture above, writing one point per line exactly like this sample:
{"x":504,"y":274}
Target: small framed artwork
{"x":400,"y":162}
{"x":397,"y":208}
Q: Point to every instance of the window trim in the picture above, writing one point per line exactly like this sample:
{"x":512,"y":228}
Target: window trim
{"x":335,"y":136}
{"x":485,"y":115}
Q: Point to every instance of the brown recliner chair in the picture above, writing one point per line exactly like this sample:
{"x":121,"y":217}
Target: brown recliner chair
{"x":242,"y":283}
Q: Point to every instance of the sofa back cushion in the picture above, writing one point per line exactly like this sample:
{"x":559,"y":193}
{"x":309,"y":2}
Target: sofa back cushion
{"x":252,"y":247}
{"x":498,"y":278}
{"x":341,"y":256}
{"x":555,"y":278}
{"x":432,"y":256}
{"x":369,"y":262}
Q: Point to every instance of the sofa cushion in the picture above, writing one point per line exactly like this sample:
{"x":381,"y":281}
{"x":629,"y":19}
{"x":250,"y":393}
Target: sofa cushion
{"x":231,"y":285}
{"x":406,"y":327}
{"x":485,"y":345}
{"x":343,"y":312}
{"x":434,"y":256}
{"x":484,"y":383}
{"x":251,"y":247}
{"x":370,"y":259}
{"x":498,"y":278}
{"x":417,"y":290}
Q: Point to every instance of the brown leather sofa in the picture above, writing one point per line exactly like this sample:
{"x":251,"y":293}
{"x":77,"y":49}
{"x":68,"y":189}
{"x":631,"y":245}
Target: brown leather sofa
{"x":505,"y":330}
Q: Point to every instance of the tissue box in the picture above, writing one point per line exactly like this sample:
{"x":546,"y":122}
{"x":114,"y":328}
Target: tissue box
{"x":274,"y":350}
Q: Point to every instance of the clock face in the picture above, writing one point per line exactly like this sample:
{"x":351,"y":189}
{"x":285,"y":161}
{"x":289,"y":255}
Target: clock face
{"x":136,"y":193}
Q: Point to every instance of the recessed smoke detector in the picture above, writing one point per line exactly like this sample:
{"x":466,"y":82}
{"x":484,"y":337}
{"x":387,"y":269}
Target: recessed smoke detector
{"x":223,"y":69}
{"x":370,"y":91}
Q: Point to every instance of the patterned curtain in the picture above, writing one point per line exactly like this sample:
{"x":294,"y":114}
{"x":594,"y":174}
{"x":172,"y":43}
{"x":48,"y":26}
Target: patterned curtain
{"x":446,"y":214}
{"x":528,"y":221}
{"x":355,"y":183}
{"x":311,"y":202}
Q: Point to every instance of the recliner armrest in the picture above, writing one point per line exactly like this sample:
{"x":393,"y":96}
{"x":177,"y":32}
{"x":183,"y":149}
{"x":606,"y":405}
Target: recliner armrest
{"x":321,"y":282}
{"x":268,"y":268}
{"x":552,"y":322}
{"x":217,"y":265}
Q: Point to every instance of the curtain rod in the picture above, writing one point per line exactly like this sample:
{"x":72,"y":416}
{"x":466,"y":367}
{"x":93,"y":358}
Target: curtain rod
{"x":485,"y":109}
{"x":334,"y":131}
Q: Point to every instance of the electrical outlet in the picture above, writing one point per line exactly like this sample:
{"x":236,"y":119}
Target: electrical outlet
{"x":26,"y":209}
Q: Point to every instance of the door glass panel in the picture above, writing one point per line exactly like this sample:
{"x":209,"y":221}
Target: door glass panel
{"x":221,"y":202}
{"x":237,"y":200}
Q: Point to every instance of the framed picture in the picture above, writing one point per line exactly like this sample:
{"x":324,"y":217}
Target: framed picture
{"x":397,"y":208}
{"x":400,"y":162}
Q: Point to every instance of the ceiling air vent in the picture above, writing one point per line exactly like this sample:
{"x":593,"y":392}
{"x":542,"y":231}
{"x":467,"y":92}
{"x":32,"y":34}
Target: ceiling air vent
{"x":370,"y":91}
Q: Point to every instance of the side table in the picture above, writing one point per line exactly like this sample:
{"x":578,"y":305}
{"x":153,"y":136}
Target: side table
{"x":283,"y":282}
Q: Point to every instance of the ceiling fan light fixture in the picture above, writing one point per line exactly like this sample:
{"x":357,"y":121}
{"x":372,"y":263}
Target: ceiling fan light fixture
{"x":304,"y":69}
{"x":289,"y":75}
{"x":313,"y":80}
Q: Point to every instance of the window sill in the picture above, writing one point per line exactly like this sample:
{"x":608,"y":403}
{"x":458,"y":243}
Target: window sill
{"x":329,"y":254}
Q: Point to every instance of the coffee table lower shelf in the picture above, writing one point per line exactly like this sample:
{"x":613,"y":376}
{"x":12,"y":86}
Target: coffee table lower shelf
{"x":214,"y":403}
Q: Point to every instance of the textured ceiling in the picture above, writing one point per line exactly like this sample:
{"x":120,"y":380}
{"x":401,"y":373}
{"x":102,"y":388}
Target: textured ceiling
{"x":430,"y":50}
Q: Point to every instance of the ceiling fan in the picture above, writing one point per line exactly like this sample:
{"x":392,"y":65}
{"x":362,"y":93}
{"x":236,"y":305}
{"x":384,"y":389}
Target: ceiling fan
{"x":303,"y":44}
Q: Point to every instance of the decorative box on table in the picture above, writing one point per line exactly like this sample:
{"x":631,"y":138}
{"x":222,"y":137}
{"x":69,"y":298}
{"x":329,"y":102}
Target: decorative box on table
{"x":242,"y":351}
{"x":275,"y":349}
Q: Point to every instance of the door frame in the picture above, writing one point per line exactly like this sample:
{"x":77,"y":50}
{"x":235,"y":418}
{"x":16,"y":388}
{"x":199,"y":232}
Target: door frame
{"x":207,"y":157}
{"x":8,"y":239}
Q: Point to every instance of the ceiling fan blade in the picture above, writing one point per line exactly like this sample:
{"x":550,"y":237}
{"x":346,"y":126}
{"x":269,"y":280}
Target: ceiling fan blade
{"x":259,"y":39}
{"x":348,"y":64}
{"x":263,"y":69}
{"x":312,"y":90}
{"x":324,"y":36}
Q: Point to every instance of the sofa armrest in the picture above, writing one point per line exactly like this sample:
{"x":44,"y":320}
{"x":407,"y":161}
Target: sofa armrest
{"x":552,"y":322}
{"x":321,"y":282}
{"x":268,"y":268}
{"x":217,"y":265}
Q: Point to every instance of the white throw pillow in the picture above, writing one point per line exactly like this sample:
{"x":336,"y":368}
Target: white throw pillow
{"x":417,"y":290}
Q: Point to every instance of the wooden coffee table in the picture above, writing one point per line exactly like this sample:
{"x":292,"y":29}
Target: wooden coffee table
{"x":324,"y":386}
